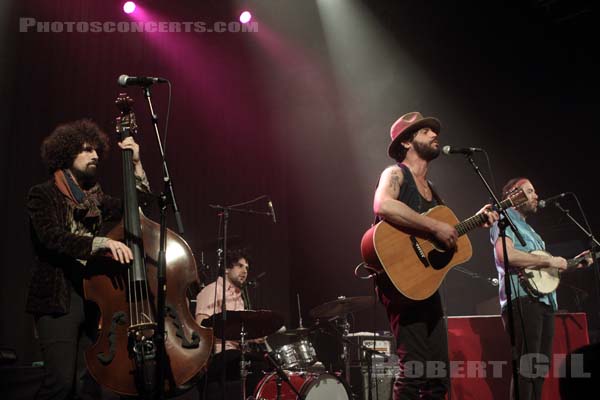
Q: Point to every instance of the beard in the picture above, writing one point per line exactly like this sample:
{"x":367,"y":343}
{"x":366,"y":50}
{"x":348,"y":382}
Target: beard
{"x":528,"y":209}
{"x":238,"y":282}
{"x":87,"y":177}
{"x":426,"y":151}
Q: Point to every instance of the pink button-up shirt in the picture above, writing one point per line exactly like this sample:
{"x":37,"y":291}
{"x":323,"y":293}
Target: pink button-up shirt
{"x":206,"y":306}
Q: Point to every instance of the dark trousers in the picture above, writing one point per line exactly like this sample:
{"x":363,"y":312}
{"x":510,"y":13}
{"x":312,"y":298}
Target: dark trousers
{"x":63,"y":340}
{"x":422,"y":345}
{"x":534,"y":332}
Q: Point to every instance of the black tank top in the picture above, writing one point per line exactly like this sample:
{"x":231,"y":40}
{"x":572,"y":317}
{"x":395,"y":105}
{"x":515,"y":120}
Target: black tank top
{"x":409,"y":195}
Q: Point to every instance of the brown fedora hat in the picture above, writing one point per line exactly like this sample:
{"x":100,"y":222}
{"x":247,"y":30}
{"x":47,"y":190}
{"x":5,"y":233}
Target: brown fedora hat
{"x":407,"y":124}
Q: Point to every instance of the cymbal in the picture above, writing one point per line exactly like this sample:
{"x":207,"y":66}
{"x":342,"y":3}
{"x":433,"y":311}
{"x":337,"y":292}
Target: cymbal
{"x":256,"y":323}
{"x":341,"y":306}
{"x":297,"y":332}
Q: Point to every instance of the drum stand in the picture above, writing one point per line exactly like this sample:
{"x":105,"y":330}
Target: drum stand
{"x":243,"y":362}
{"x":345,"y":325}
{"x":278,"y":383}
{"x":341,"y":323}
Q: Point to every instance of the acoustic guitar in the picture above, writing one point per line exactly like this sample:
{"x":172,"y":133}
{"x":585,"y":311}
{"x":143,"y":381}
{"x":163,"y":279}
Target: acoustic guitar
{"x":414,"y":261}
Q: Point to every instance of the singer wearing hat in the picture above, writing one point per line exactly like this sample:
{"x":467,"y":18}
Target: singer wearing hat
{"x":402,"y":195}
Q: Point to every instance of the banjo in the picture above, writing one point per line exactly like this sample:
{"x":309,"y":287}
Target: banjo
{"x":541,"y":281}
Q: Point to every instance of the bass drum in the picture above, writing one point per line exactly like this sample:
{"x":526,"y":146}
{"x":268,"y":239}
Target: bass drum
{"x":310,"y":386}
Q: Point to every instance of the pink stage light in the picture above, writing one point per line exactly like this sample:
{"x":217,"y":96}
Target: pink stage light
{"x":245,"y":17}
{"x":129,"y":7}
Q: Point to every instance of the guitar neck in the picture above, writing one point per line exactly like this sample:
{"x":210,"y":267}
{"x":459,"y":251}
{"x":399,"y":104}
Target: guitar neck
{"x":572,"y":262}
{"x":470,"y":223}
{"x":477,"y":220}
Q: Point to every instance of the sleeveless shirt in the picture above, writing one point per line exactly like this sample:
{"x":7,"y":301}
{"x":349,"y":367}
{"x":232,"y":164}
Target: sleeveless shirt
{"x":409,"y":195}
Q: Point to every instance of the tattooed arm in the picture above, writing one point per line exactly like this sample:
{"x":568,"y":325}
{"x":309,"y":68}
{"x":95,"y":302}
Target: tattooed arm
{"x":394,"y":211}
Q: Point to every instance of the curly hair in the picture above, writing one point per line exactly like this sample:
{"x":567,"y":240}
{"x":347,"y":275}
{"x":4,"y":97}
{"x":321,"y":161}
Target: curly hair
{"x":61,"y":147}
{"x":234,"y":255}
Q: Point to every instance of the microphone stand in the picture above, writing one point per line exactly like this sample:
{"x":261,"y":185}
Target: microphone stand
{"x":475,"y":275}
{"x":166,"y":198}
{"x":589,"y":234}
{"x":223,"y":263}
{"x":168,"y":183}
{"x":282,"y":377}
{"x":224,"y":211}
{"x":592,"y":241}
{"x":369,"y":356}
{"x":503,"y":223}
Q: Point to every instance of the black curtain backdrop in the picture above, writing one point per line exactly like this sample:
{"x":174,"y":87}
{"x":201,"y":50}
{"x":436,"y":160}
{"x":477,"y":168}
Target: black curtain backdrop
{"x":278,"y":112}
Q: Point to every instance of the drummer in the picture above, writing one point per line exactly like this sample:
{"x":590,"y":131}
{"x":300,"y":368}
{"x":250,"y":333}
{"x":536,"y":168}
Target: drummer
{"x":209,"y":301}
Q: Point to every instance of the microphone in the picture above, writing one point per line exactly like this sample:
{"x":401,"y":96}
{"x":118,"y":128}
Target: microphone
{"x":460,"y":150}
{"x":143,"y":81}
{"x":272,"y":211}
{"x":550,"y":200}
{"x":254,"y":282}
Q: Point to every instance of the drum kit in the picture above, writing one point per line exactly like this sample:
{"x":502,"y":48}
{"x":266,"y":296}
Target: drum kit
{"x":299,"y":373}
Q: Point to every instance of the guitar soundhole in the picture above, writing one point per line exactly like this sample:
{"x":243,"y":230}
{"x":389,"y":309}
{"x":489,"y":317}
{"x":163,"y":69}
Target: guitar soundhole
{"x":439,"y":259}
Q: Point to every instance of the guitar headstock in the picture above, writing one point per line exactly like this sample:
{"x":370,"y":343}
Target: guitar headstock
{"x":515,"y":198}
{"x":125,"y":125}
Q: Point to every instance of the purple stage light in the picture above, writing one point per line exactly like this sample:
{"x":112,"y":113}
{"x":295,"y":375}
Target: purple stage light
{"x":129,"y":7}
{"x":245,"y":17}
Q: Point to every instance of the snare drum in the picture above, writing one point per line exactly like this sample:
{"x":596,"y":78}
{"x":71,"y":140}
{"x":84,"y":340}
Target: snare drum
{"x":310,"y":386}
{"x":296,"y":355}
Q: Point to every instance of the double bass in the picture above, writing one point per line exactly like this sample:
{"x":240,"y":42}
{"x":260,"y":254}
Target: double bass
{"x":125,"y":356}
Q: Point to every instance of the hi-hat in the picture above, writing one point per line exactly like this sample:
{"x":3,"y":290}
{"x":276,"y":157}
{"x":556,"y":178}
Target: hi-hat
{"x":256,"y":324}
{"x":342,"y":306}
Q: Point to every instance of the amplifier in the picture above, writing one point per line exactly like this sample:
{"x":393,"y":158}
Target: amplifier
{"x":382,"y":382}
{"x":382,"y":342}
